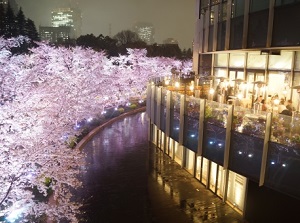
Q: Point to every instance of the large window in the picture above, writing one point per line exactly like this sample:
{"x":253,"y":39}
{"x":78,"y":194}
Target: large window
{"x":223,"y":12}
{"x":256,"y":60}
{"x":285,"y":2}
{"x":221,"y":60}
{"x":236,"y":190}
{"x":282,"y":61}
{"x":238,"y":7}
{"x":237,"y":60}
{"x":258,"y":5}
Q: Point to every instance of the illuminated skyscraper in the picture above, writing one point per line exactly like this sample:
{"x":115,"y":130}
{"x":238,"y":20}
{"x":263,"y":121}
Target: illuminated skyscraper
{"x":70,"y":17}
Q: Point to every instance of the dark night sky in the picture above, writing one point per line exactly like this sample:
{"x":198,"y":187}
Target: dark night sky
{"x":171,"y":18}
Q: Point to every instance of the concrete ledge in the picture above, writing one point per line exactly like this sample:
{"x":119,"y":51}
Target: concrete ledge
{"x":85,"y":139}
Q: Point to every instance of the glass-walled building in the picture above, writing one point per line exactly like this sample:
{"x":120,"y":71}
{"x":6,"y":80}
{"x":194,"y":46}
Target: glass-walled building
{"x":241,"y":137}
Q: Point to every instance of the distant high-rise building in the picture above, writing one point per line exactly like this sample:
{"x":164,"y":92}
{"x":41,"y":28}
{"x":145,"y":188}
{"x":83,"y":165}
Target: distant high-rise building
{"x":70,"y":17}
{"x":65,"y":24}
{"x":55,"y":34}
{"x":145,"y":31}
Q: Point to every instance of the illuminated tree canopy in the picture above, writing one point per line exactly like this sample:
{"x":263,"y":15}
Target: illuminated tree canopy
{"x":43,"y":96}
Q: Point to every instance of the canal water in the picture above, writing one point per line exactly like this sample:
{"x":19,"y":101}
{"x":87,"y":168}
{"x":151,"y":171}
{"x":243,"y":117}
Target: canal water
{"x":129,"y":180}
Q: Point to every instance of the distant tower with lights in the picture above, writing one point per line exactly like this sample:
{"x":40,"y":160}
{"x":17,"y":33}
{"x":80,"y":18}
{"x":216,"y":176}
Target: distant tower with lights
{"x":70,"y":17}
{"x":65,"y":25}
{"x":145,"y":31}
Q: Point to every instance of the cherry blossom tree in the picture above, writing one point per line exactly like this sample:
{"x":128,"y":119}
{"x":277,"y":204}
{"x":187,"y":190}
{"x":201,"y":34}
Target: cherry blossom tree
{"x":44,"y":96}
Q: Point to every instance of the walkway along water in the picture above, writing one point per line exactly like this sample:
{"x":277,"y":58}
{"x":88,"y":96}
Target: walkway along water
{"x":128,"y":180}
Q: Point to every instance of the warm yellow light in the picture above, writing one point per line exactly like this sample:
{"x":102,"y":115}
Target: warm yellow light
{"x":167,"y":81}
{"x":240,"y":96}
{"x":276,"y":101}
{"x":177,"y":84}
{"x":211,"y":91}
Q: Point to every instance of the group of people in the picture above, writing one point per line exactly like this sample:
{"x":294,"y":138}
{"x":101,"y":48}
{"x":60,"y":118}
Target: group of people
{"x":285,"y":107}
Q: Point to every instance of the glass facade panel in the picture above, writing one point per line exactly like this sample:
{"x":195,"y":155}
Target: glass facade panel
{"x":282,"y":61}
{"x":190,"y":161}
{"x":215,"y":131}
{"x":284,"y":32}
{"x":223,"y":12}
{"x":155,"y":106}
{"x":205,"y":64}
{"x":258,"y":5}
{"x":257,"y":29}
{"x":191,"y":123}
{"x":214,"y":143}
{"x":238,"y":7}
{"x":205,"y":164}
{"x":221,"y":182}
{"x":211,"y":39}
{"x":198,"y":168}
{"x":282,"y":171}
{"x":213,"y":176}
{"x":285,"y":2}
{"x":163,"y":114}
{"x":246,"y":155}
{"x":256,"y":60}
{"x":236,"y":32}
{"x":178,"y":153}
{"x":285,"y":130}
{"x":297,"y":61}
{"x":154,"y":135}
{"x":236,"y":190}
{"x":175,"y":116}
{"x":295,"y":94}
{"x":221,"y":36}
{"x":282,"y":89}
{"x":171,"y":147}
{"x":221,"y":60}
{"x":237,"y":60}
{"x":250,"y":122}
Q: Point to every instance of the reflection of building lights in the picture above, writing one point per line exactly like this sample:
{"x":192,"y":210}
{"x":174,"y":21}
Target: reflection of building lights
{"x":284,"y":165}
{"x":240,"y":152}
{"x":250,"y":155}
{"x":220,"y":144}
{"x":272,"y":162}
{"x":211,"y":142}
{"x":193,"y":135}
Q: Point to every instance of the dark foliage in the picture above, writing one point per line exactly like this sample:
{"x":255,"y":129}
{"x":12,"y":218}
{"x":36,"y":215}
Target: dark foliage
{"x":12,"y":25}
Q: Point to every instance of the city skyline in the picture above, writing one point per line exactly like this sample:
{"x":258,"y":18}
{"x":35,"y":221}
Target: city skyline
{"x":99,"y":16}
